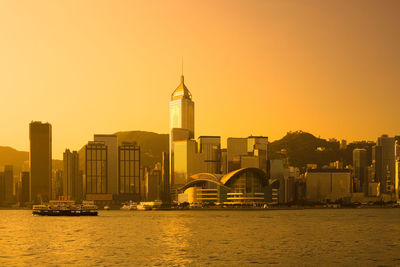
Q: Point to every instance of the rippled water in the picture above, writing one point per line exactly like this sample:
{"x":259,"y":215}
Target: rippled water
{"x":354,"y":237}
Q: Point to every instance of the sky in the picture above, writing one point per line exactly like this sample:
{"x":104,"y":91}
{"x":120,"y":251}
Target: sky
{"x":259,"y":67}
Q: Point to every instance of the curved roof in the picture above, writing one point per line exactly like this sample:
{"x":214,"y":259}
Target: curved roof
{"x":219,"y":179}
{"x":206,"y":176}
{"x":235,"y":173}
{"x":201,"y":178}
{"x":181,"y":92}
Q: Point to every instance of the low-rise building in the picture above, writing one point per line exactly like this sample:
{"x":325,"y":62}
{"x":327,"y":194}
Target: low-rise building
{"x":328,"y":185}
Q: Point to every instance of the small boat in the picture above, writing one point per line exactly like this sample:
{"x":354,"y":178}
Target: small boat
{"x":149,"y":205}
{"x":129,"y":206}
{"x":144,"y":206}
{"x":65,"y":208}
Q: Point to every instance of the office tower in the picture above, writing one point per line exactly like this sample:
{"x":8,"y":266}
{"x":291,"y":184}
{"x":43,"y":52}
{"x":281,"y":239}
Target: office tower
{"x":397,"y":167}
{"x":2,"y":187}
{"x":129,"y":169}
{"x":224,"y":161}
{"x":384,"y":162}
{"x":256,"y":153}
{"x":24,"y":187}
{"x":72,"y":177}
{"x":247,"y":152}
{"x":8,"y":183}
{"x":236,"y":147}
{"x":343,"y":144}
{"x":181,"y":122}
{"x":210,"y":149}
{"x":96,"y":168}
{"x":153,"y":184}
{"x":57,"y":184}
{"x":360,"y":170}
{"x":111,"y":142}
{"x":40,"y":157}
{"x":165,"y":193}
{"x":186,"y":161}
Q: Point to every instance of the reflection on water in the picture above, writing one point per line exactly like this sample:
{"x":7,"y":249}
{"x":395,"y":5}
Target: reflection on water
{"x":218,"y":238}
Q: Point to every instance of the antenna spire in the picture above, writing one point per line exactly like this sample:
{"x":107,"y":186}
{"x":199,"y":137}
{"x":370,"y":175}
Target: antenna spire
{"x":182,"y":79}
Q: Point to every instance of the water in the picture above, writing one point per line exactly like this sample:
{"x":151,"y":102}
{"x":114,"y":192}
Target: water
{"x":356,"y":237}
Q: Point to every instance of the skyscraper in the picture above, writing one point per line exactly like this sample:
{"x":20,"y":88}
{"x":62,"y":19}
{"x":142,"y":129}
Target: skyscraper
{"x":384,"y":162}
{"x":181,"y":122}
{"x":40,"y":157}
{"x":360,"y":170}
{"x":8,"y":183}
{"x":210,"y":148}
{"x":72,"y":178}
{"x":165,"y":193}
{"x":2,"y":187}
{"x":129,"y":170}
{"x":111,"y":142}
{"x":96,"y":168}
{"x":24,"y":192}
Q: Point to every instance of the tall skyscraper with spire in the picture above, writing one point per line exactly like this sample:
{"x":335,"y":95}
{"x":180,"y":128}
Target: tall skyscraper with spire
{"x":181,"y":122}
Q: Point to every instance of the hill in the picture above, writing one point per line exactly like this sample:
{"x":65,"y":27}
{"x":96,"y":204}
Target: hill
{"x":302,"y":148}
{"x":16,"y":158}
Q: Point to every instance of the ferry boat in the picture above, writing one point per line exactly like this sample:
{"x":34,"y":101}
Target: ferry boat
{"x":65,"y":208}
{"x":129,"y":206}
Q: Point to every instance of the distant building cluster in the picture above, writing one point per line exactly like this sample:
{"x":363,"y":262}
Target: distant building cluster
{"x":198,"y":172}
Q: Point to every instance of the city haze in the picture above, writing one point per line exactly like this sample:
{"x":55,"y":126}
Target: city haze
{"x":330,"y":68}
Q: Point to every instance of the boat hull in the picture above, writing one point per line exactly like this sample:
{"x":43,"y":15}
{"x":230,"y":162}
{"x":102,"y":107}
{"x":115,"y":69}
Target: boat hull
{"x":64,"y":213}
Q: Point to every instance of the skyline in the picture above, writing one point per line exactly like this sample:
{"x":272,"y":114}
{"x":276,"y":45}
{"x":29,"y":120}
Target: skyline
{"x":128,"y":64}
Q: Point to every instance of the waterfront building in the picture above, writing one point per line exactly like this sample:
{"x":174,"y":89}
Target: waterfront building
{"x":186,"y":161}
{"x":181,"y":126}
{"x":57,"y":184}
{"x":40,"y":161}
{"x":8,"y":183}
{"x":277,"y":175}
{"x":374,"y":189}
{"x":111,"y":143}
{"x":246,"y":153}
{"x":2,"y":187}
{"x":385,"y":166}
{"x":256,"y":153}
{"x":224,"y":161}
{"x":96,"y":175}
{"x":343,"y":144}
{"x":165,"y":192}
{"x":360,"y":170}
{"x":72,"y":182}
{"x":191,"y":157}
{"x":247,"y":186}
{"x":328,"y":185}
{"x":153,"y":184}
{"x":24,"y":187}
{"x":210,"y":149}
{"x":129,"y":170}
{"x":235,"y":148}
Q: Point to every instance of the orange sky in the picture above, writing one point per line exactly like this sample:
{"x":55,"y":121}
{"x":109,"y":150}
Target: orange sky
{"x":253,"y":67}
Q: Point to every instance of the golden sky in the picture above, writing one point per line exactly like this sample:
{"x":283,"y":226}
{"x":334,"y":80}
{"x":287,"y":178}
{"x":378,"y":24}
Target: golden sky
{"x":254,"y":67}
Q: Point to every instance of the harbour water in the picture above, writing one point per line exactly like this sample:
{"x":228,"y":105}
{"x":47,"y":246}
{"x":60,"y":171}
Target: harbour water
{"x":326,"y":237}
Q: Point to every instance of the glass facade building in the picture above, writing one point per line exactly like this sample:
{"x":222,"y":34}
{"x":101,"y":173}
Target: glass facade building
{"x":181,"y":124}
{"x":129,"y":169}
{"x":96,"y":168}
